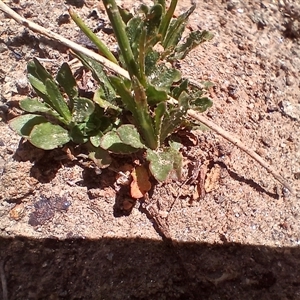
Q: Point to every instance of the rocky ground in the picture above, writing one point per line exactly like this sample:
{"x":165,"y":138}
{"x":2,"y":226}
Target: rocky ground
{"x":63,"y":235}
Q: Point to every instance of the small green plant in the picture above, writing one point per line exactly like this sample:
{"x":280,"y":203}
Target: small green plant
{"x":125,"y":115}
{"x":60,"y":114}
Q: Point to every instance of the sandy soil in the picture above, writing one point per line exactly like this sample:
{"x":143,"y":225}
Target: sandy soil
{"x":64,"y":232}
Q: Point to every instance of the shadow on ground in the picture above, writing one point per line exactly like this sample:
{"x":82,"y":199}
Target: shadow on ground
{"x":146,"y":269}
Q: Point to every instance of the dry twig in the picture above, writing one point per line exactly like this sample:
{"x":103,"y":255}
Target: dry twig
{"x":115,"y":68}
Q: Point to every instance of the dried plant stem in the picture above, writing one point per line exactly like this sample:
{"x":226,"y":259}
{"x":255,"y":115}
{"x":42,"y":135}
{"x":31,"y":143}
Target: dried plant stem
{"x":234,"y":140}
{"x":117,"y":69}
{"x":39,"y":29}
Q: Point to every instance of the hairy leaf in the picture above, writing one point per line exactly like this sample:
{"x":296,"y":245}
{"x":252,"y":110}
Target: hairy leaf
{"x":38,"y":85}
{"x":102,"y":47}
{"x":155,"y":95}
{"x":67,"y":81}
{"x":160,"y":111}
{"x":174,"y":117}
{"x":138,"y":106}
{"x":176,"y":29}
{"x":177,"y":158}
{"x":167,"y":17}
{"x":176,"y":92}
{"x":36,"y":69}
{"x":124,"y":93}
{"x":99,"y":74}
{"x":161,"y":163}
{"x":24,"y":124}
{"x":57,"y":100}
{"x":145,"y":123}
{"x":194,"y":39}
{"x":112,"y":142}
{"x":33,"y":105}
{"x":95,"y":139}
{"x":153,"y":20}
{"x":125,"y":14}
{"x":48,"y":136}
{"x":151,"y":60}
{"x":37,"y":76}
{"x":130,"y":136}
{"x":162,"y":78}
{"x":120,"y":33}
{"x":201,"y":104}
{"x":100,"y":157}
{"x":82,"y":109}
{"x":134,"y":30}
{"x":99,"y":99}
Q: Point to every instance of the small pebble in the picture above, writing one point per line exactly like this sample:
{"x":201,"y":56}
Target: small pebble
{"x":290,"y":80}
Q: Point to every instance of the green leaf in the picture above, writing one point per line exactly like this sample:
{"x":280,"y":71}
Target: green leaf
{"x":33,"y":105}
{"x":67,"y":81}
{"x":130,"y":136}
{"x":177,"y":157}
{"x":82,"y":109}
{"x":194,"y":39}
{"x":179,"y":89}
{"x":162,"y":78}
{"x":154,"y":95}
{"x":100,"y":157}
{"x":142,"y":115}
{"x":139,"y":109}
{"x":176,"y":28}
{"x":163,"y":4}
{"x":35,"y":69}
{"x":57,"y":100}
{"x":151,"y":60}
{"x":167,"y":17}
{"x":161,"y":163}
{"x":37,"y":76}
{"x":124,"y":93}
{"x":144,"y":9}
{"x":175,"y":145}
{"x":160,"y":111}
{"x":48,"y":136}
{"x":120,"y":33}
{"x":201,"y":104}
{"x":153,"y":20}
{"x":24,"y":124}
{"x":99,"y":122}
{"x":125,"y":14}
{"x":142,"y":55}
{"x":78,"y":133}
{"x":174,"y":117}
{"x":112,"y":142}
{"x":37,"y":84}
{"x":99,"y":74}
{"x":134,"y":30}
{"x":98,"y":98}
{"x":95,"y":140}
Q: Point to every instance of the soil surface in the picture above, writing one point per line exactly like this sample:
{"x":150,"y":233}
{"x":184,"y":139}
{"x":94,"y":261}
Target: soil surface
{"x":232,"y":231}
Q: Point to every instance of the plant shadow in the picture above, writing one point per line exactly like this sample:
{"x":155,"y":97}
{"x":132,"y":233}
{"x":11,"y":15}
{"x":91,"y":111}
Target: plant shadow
{"x":146,"y":269}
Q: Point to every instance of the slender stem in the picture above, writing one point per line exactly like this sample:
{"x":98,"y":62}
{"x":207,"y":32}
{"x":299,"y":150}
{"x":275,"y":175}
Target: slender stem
{"x":121,"y":36}
{"x":143,"y":115}
{"x":142,"y":55}
{"x":167,"y":19}
{"x":92,"y":36}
